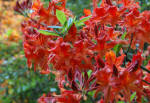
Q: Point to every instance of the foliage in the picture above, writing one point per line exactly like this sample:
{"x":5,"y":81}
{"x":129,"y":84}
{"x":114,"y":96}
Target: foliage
{"x":18,"y":84}
{"x":145,"y":5}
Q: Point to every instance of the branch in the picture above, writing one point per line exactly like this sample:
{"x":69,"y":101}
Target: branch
{"x":145,"y":69}
{"x":142,"y":67}
{"x":129,"y":44}
{"x":128,"y":50}
{"x":146,"y":82}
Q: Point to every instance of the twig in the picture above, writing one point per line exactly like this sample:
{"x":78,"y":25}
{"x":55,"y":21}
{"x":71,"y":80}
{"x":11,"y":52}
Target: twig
{"x":142,"y":67}
{"x":145,"y":69}
{"x":146,"y":82}
{"x":128,"y":49}
{"x":129,"y":45}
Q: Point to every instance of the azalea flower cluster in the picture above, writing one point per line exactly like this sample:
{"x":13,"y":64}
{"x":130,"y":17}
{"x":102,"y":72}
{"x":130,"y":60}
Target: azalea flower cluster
{"x":90,"y":54}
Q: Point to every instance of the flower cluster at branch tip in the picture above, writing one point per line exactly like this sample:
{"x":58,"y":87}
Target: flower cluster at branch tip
{"x":90,"y":54}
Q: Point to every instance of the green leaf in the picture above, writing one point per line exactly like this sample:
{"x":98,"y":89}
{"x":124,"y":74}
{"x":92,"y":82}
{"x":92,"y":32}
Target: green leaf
{"x":64,"y":27}
{"x":145,"y":62}
{"x":117,"y":48}
{"x":70,"y":22}
{"x":148,"y":58}
{"x":94,"y":41}
{"x":124,"y":35}
{"x":81,"y":22}
{"x":132,"y":96}
{"x":67,"y":25}
{"x":46,"y":32}
{"x":61,"y":16}
{"x":89,"y":73}
{"x":120,"y":102}
{"x":144,"y":100}
{"x":91,"y":93}
{"x":54,"y":27}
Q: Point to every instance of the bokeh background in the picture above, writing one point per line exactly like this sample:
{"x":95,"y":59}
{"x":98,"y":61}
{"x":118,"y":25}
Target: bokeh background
{"x":18,"y":84}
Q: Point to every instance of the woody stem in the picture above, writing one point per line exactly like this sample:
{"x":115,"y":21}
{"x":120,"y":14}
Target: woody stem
{"x":142,"y":67}
{"x":128,"y":49}
{"x":146,"y":82}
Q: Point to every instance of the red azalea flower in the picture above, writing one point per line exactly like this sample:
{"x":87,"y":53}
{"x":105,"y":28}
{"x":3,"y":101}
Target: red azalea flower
{"x":69,"y":97}
{"x":21,"y":7}
{"x":112,"y":81}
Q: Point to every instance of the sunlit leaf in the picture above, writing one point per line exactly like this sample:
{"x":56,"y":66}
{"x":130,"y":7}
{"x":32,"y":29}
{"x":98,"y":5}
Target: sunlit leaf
{"x":81,"y":22}
{"x":54,"y":27}
{"x":61,"y":16}
{"x":124,"y":35}
{"x":89,"y":72}
{"x":67,"y":25}
{"x":46,"y":32}
{"x":117,"y":48}
{"x":133,"y":96}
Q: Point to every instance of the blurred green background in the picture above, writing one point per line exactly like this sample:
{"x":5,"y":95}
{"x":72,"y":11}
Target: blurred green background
{"x":18,"y":84}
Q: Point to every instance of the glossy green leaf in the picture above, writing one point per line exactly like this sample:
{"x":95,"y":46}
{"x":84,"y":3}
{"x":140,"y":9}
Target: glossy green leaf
{"x":64,"y":27}
{"x":133,"y":96}
{"x":124,"y":35}
{"x":46,"y":32}
{"x":61,"y":16}
{"x":81,"y":22}
{"x":89,"y":73}
{"x":54,"y":27}
{"x":117,"y":48}
{"x":67,"y":25}
{"x":70,"y":22}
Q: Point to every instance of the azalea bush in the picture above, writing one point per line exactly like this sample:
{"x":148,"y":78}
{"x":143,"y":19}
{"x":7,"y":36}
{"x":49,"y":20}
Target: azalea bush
{"x":104,"y":56}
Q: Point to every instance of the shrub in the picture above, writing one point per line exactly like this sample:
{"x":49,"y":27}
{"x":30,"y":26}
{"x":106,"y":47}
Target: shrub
{"x":99,"y":55}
